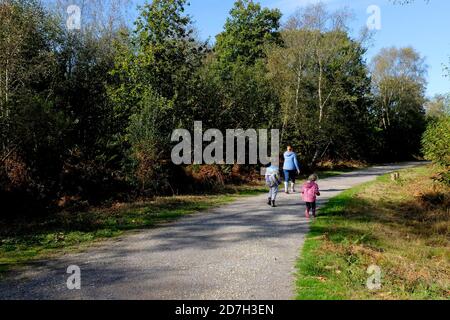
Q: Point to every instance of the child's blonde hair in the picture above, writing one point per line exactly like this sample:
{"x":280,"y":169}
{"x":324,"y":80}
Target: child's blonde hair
{"x":313,"y":177}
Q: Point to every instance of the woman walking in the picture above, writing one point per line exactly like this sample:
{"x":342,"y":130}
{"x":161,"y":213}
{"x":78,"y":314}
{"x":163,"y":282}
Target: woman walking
{"x":291,"y":168}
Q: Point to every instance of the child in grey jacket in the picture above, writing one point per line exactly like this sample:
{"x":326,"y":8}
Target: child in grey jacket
{"x":273,"y":181}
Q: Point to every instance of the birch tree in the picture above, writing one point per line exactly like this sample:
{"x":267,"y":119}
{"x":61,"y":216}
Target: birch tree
{"x":398,"y":84}
{"x":312,"y":73}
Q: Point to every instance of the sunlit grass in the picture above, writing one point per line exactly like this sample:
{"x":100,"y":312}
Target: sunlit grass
{"x":401,"y":226}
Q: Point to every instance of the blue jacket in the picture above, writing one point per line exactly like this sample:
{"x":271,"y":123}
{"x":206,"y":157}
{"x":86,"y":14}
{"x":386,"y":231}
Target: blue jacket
{"x":290,"y":161}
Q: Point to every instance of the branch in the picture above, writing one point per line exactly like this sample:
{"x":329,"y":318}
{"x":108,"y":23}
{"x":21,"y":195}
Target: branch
{"x":8,"y":155}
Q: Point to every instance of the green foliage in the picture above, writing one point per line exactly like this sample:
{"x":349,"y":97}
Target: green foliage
{"x":156,"y":86}
{"x":147,"y":142}
{"x":55,"y":117}
{"x":243,"y":96}
{"x":88,"y":115}
{"x":325,"y":106}
{"x":165,"y":48}
{"x":160,"y":56}
{"x":32,"y":126}
{"x":247,"y":31}
{"x":436,"y":141}
{"x":438,"y":106}
{"x":398,"y":81}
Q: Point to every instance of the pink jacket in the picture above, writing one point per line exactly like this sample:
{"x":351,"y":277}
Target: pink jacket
{"x":310,"y":191}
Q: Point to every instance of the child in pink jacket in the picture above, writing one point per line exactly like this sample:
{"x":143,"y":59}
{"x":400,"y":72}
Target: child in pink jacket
{"x":310,"y":192}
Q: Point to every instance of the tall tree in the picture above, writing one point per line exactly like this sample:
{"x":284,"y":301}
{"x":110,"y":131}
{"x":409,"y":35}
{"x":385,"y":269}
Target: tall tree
{"x":438,"y":106}
{"x":248,"y":29}
{"x":323,"y":83}
{"x":239,"y":67}
{"x":157,"y":67}
{"x":399,"y":82}
{"x":26,"y":58}
{"x":161,"y":55}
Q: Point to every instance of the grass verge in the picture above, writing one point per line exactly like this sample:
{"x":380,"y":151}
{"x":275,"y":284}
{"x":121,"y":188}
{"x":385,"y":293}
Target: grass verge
{"x":401,"y":226}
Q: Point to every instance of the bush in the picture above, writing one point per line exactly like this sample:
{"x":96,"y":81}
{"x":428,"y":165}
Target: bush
{"x":436,"y":141}
{"x":149,"y":141}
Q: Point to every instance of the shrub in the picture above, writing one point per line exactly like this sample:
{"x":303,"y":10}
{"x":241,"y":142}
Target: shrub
{"x":149,"y":141}
{"x":436,"y":141}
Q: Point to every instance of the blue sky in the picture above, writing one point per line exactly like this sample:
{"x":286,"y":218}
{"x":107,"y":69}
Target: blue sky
{"x":425,"y":26}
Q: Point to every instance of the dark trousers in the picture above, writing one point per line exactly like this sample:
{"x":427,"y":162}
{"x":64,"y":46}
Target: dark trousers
{"x":290,"y":175}
{"x":311,"y":206}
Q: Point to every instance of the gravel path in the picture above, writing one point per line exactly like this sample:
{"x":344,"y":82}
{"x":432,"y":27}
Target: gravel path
{"x":245,"y":250}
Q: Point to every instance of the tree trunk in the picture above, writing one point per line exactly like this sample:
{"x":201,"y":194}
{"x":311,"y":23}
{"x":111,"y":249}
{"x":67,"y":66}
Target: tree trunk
{"x":320,"y":94}
{"x":6,"y":82}
{"x":6,"y":111}
{"x":321,"y":113}
{"x":297,"y":91}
